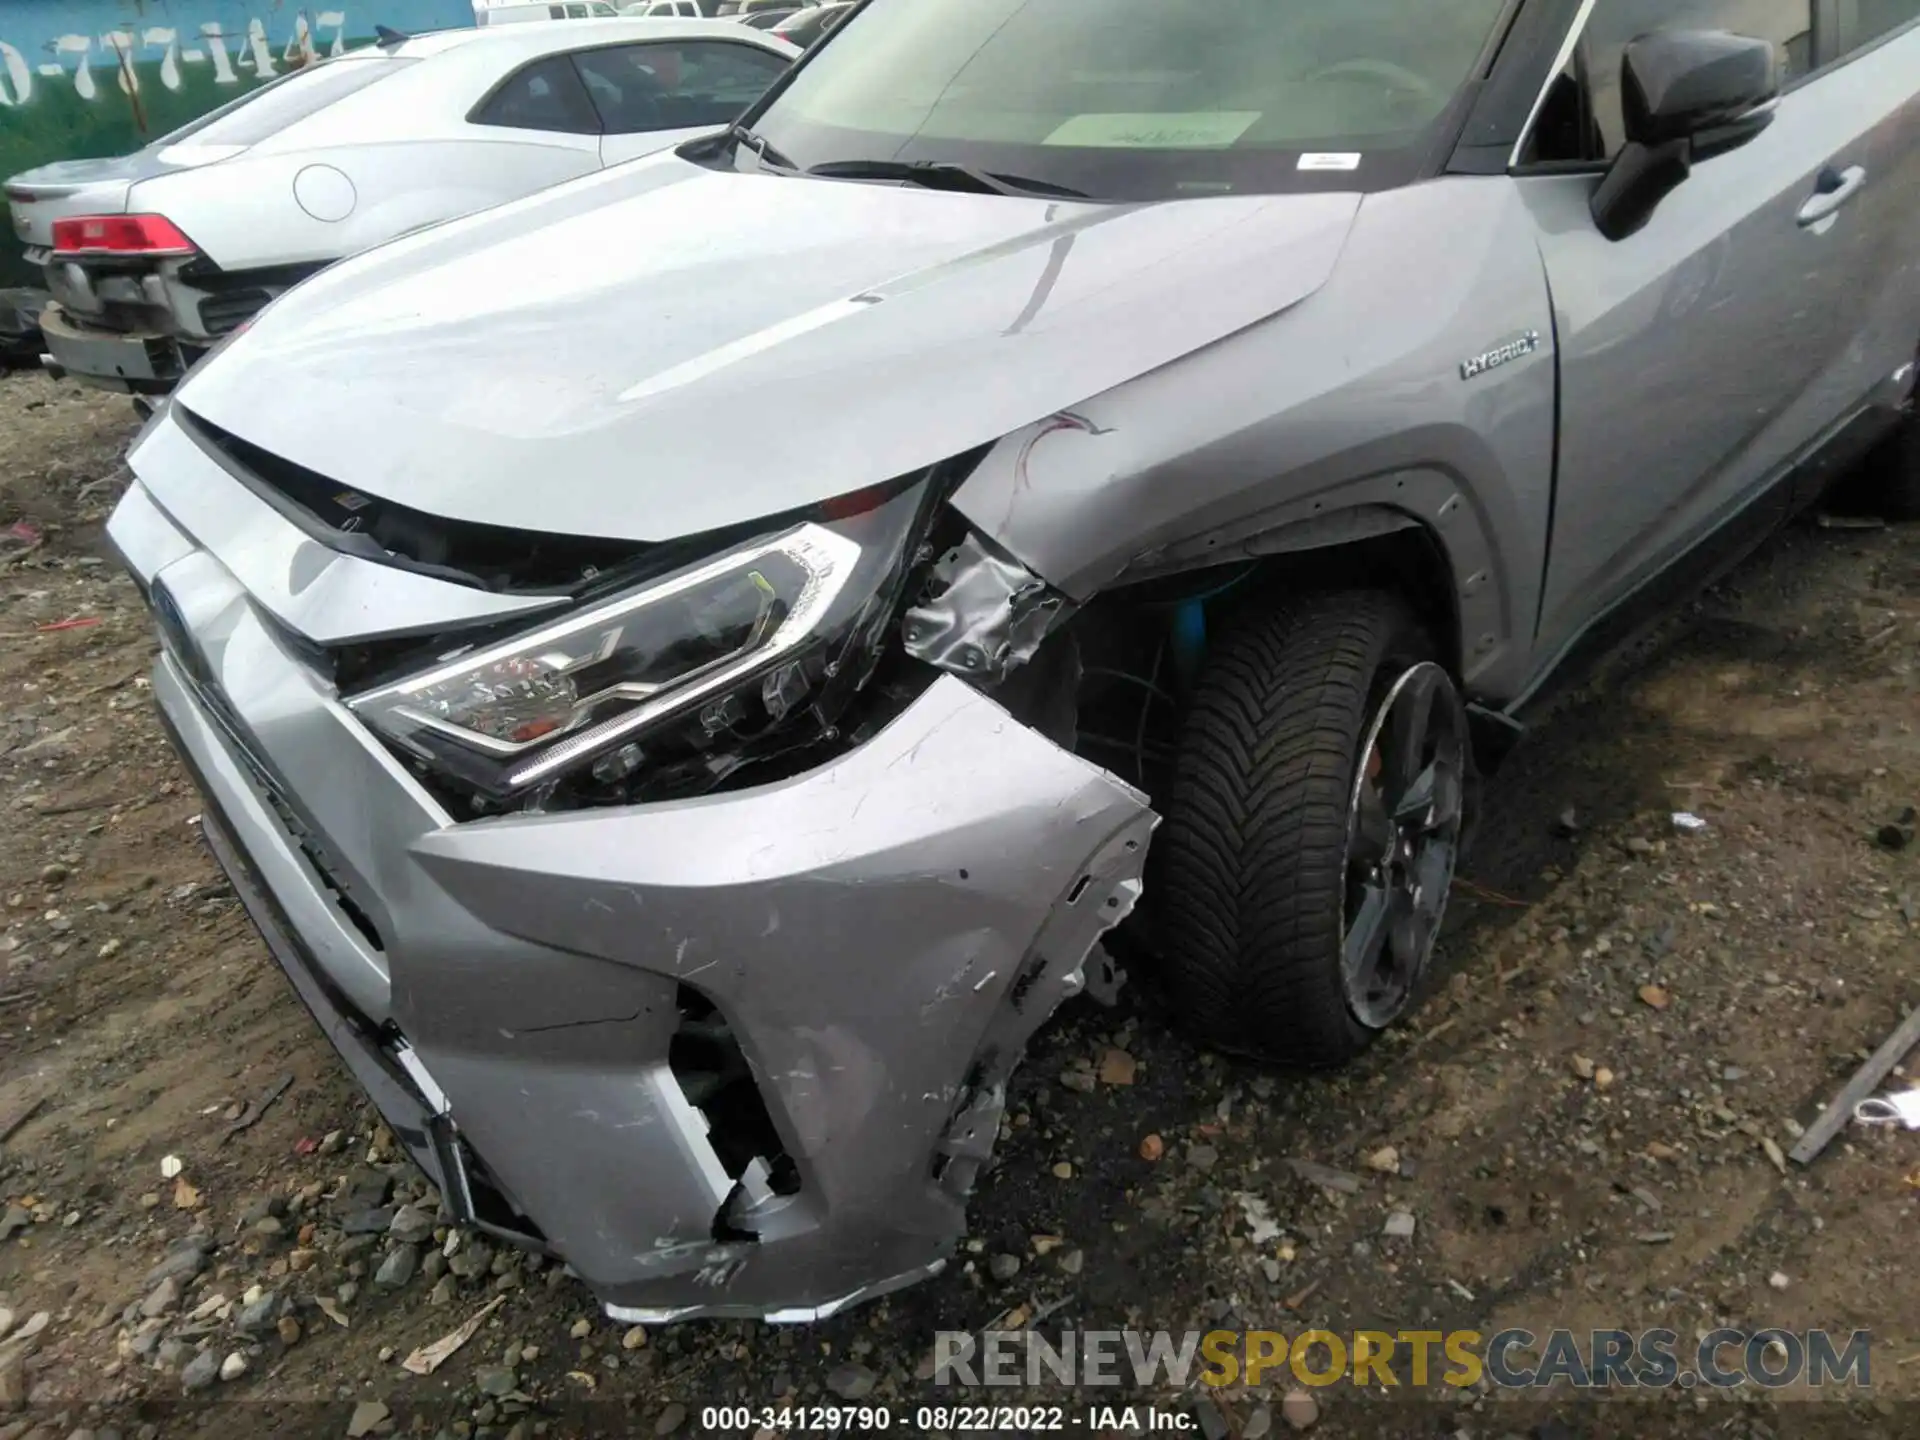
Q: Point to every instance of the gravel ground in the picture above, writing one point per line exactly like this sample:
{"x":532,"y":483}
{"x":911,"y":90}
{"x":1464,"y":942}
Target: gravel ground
{"x":1581,"y":1128}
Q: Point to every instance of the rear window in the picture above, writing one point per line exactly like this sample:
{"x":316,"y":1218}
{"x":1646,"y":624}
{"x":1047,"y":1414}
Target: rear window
{"x":292,"y":98}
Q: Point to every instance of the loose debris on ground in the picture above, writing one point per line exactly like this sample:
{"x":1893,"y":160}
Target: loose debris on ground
{"x":1584,"y":1127}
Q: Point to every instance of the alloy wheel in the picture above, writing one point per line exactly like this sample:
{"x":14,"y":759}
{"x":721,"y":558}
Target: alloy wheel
{"x":1403,"y":841}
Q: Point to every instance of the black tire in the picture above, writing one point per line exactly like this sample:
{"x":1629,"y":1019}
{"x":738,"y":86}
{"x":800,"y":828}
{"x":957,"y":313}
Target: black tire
{"x":1893,"y":471}
{"x":1255,"y":871}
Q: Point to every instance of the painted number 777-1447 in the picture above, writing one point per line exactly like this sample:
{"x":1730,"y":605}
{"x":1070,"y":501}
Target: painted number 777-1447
{"x":234,"y":57}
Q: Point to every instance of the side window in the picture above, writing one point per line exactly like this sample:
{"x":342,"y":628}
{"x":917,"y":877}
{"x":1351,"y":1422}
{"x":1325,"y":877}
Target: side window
{"x":731,"y":73}
{"x":666,"y":86}
{"x":545,"y":95}
{"x":1616,"y":23}
{"x":576,"y":12}
{"x":556,"y":12}
{"x":1873,"y":19}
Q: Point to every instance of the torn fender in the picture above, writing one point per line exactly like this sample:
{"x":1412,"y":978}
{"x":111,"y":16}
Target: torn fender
{"x":986,"y":616}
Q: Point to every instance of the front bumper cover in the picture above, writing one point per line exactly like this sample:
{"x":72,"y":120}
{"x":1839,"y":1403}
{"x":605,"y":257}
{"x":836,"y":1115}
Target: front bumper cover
{"x":881,"y":935}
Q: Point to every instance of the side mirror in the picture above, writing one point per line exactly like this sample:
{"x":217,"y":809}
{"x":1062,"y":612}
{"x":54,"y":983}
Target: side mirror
{"x":1685,"y":96}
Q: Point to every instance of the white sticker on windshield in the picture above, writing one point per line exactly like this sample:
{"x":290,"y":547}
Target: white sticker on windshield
{"x":1155,"y":132}
{"x":1330,"y":160}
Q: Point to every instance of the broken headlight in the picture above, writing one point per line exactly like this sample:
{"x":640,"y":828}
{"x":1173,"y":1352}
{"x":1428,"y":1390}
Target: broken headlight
{"x":720,"y":651}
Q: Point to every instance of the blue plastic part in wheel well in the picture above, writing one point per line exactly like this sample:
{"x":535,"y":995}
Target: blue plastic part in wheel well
{"x":1189,"y":641}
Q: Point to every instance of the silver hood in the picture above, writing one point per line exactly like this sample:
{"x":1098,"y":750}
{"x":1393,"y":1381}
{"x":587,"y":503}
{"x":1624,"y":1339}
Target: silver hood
{"x":661,"y":349}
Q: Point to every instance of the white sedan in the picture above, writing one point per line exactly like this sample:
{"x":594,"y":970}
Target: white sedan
{"x":152,"y":257}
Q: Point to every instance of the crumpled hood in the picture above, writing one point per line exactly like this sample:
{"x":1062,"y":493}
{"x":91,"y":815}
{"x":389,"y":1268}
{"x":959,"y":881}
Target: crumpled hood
{"x":661,"y":350}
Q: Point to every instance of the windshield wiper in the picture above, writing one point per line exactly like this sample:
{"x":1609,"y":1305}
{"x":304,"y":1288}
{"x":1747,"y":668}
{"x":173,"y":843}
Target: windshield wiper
{"x":942,"y":175}
{"x":757,"y":143}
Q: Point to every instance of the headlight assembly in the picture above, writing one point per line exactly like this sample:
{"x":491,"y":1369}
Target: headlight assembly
{"x":722,"y":650}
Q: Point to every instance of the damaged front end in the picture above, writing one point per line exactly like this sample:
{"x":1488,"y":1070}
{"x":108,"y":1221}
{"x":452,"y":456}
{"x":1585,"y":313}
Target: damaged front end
{"x":867,"y":947}
{"x":682,"y":908}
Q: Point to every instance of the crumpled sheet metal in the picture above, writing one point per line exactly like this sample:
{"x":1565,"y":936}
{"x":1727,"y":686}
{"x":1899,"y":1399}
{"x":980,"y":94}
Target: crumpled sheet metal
{"x":988,"y":616}
{"x":883,"y":935}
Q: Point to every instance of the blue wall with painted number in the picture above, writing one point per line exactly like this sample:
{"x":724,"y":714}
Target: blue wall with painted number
{"x":102,"y":77}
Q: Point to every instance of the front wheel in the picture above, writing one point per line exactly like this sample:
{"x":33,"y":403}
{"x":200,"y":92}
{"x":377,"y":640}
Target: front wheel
{"x":1312,"y":829}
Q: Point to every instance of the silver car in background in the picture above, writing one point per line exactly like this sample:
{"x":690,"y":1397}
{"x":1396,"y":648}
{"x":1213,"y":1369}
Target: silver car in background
{"x":684,"y":720}
{"x":153,"y":257}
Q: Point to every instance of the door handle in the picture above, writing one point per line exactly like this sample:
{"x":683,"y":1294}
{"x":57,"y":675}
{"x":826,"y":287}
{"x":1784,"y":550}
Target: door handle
{"x":1833,"y":189}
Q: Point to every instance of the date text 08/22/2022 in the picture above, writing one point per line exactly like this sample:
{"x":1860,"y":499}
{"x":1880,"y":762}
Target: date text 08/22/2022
{"x":921,"y":1419}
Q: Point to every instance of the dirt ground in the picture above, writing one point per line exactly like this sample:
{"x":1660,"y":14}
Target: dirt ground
{"x":1627,"y":1022}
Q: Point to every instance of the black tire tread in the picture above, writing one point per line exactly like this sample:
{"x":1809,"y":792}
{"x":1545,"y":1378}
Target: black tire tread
{"x":1251,"y":869}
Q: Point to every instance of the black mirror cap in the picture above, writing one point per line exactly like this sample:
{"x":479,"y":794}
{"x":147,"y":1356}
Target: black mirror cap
{"x":1640,"y":177}
{"x":1677,"y":83}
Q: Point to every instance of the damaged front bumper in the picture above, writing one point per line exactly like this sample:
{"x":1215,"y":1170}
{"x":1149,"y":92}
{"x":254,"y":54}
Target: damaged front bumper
{"x":741,"y":1055}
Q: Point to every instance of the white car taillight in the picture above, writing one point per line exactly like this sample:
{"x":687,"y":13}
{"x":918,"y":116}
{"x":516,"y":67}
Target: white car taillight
{"x":119,"y":235}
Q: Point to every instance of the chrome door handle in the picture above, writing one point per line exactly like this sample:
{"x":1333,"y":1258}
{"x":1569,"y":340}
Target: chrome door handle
{"x":1835,"y":188}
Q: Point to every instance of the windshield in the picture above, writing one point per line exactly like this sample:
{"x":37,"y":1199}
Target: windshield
{"x":1138,"y":99}
{"x":267,"y":111}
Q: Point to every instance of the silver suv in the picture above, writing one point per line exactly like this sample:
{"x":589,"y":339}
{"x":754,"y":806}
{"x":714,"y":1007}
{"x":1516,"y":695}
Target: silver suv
{"x":685,"y":667}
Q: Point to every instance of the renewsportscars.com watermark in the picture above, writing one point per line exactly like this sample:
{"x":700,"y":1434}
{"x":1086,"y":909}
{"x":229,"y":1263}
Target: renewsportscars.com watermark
{"x":1508,"y":1359}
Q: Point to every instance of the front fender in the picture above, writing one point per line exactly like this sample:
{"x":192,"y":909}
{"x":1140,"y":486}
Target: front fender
{"x":1360,"y":397}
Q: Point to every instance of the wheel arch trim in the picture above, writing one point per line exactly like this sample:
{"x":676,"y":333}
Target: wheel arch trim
{"x":1420,"y":504}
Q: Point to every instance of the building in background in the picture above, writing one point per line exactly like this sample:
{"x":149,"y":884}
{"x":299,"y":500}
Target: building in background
{"x":81,"y":78}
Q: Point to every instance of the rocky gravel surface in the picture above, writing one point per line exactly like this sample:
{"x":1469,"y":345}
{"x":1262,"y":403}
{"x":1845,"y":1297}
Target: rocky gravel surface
{"x":205,"y":1231}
